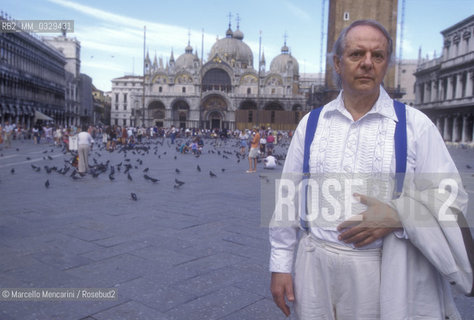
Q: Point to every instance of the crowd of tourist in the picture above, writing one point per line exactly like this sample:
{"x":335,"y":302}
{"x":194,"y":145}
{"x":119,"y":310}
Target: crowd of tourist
{"x":257,"y":143}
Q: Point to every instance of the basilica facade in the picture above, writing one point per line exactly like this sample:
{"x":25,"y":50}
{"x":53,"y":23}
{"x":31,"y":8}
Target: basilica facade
{"x":225,"y":92}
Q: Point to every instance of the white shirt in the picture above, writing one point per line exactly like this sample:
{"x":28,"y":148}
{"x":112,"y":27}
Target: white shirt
{"x":84,"y":138}
{"x":270,"y":162}
{"x":342,"y":145}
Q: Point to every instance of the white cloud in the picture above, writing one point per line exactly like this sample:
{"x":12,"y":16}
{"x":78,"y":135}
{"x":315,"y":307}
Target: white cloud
{"x":298,"y":12}
{"x":129,"y":31}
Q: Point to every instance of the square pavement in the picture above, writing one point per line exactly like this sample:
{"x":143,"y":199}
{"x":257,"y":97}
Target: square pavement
{"x":193,"y":252}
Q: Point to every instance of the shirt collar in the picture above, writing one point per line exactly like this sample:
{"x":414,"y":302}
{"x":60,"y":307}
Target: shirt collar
{"x":383,"y":106}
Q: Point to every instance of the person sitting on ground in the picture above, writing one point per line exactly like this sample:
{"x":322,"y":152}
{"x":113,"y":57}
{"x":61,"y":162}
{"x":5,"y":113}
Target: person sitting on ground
{"x":269,"y":161}
{"x":184,"y":147}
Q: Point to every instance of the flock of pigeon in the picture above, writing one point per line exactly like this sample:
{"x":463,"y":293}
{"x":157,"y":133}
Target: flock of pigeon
{"x":133,"y":159}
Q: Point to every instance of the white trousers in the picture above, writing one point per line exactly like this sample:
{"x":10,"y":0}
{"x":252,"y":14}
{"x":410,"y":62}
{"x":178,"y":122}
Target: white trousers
{"x":83,"y":152}
{"x":336,"y":282}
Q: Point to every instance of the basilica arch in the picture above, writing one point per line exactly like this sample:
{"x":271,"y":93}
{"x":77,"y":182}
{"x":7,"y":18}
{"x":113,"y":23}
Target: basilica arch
{"x":248,"y":105}
{"x":273,"y":105}
{"x":214,"y":109}
{"x":180,"y":112}
{"x":156,"y":112}
{"x":216,"y":79}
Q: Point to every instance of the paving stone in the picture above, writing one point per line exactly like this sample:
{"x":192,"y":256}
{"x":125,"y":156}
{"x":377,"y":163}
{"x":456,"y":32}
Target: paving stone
{"x":214,"y":305}
{"x":154,"y":293}
{"x":112,"y":271}
{"x":130,"y":310}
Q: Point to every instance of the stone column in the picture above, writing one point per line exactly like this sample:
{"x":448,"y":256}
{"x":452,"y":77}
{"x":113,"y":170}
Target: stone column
{"x":426,"y":95}
{"x":434,"y":91}
{"x":469,"y":83}
{"x":458,"y":79}
{"x":418,"y":93}
{"x":446,"y":129}
{"x":456,"y":137}
{"x":465,"y":128}
{"x":449,"y":88}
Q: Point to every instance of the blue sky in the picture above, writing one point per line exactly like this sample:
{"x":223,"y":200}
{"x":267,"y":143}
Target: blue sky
{"x":111,"y":32}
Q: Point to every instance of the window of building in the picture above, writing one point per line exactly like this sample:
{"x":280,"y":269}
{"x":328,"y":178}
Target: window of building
{"x":249,"y":91}
{"x":124,"y":122}
{"x":250,"y":116}
{"x":125,"y":97}
{"x":116,"y":122}
{"x":273,"y":90}
{"x":183,"y":89}
{"x":160,"y":89}
{"x":216,"y":79}
{"x":125,"y":107}
{"x":116,"y":97}
{"x":116,"y":106}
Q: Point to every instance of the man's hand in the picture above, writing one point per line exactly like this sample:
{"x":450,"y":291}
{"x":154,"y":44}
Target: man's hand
{"x":281,"y":287}
{"x":376,"y":222}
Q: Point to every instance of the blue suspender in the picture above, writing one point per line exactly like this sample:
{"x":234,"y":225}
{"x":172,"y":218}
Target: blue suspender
{"x":308,"y":139}
{"x":400,"y":150}
{"x":400,"y":146}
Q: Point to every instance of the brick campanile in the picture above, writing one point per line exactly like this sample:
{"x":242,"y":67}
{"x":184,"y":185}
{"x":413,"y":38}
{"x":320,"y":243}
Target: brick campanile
{"x":343,"y":12}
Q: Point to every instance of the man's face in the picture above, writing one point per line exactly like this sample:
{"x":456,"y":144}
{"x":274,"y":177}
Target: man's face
{"x":364,"y":61}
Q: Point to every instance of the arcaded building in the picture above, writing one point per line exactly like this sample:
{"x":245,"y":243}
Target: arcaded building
{"x":32,"y":78}
{"x":445,"y":85}
{"x":224,"y":92}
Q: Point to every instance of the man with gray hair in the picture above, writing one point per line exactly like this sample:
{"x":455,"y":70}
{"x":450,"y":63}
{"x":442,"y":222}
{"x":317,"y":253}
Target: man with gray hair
{"x":379,"y":262}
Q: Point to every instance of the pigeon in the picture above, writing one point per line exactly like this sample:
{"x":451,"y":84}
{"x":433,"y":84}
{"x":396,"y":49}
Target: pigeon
{"x":46,"y":184}
{"x":134,"y":196}
{"x":198,"y":168}
{"x":50,"y":158}
{"x":12,"y":171}
{"x":147,"y":177}
{"x":146,"y":169}
{"x":28,"y":158}
{"x":178,"y":182}
{"x":175,"y":157}
{"x":222,"y":169}
{"x":212,"y":174}
{"x":111,"y":177}
{"x":468,"y":166}
{"x":129,"y":177}
{"x":177,"y":170}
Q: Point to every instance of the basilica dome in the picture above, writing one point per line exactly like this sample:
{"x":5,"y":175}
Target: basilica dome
{"x":187,"y":60}
{"x":284,"y":63}
{"x":233,"y":50}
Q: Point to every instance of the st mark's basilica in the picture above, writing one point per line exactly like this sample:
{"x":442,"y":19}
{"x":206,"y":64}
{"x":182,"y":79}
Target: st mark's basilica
{"x":221,"y":93}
